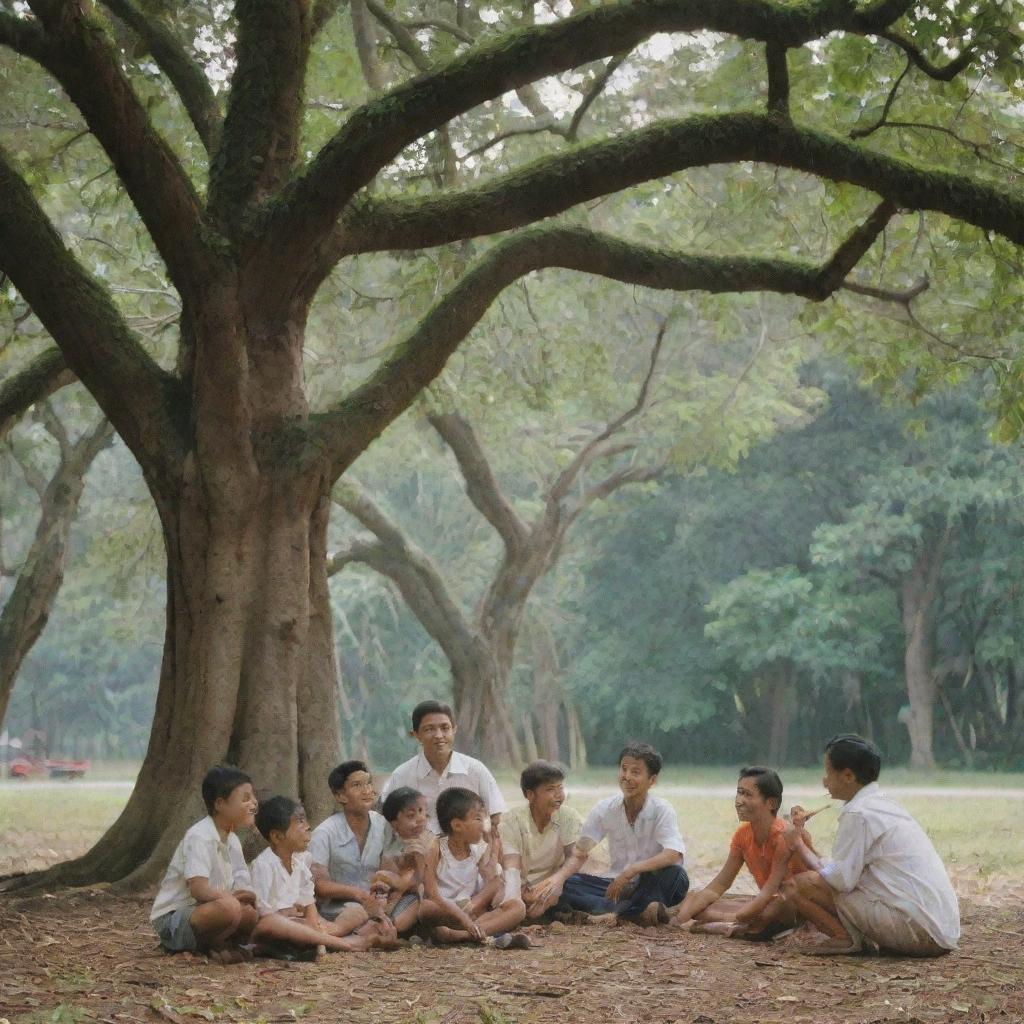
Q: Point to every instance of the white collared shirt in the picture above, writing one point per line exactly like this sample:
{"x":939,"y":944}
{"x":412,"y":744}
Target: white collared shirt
{"x":276,"y":887}
{"x":201,"y":854}
{"x":655,"y":829}
{"x":461,"y":770}
{"x":882,"y":851}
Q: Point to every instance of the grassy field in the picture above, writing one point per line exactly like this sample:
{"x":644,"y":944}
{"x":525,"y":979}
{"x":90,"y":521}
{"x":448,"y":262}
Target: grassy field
{"x":978,"y":837}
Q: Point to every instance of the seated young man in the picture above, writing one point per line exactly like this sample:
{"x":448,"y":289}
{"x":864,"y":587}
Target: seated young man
{"x":537,"y":841}
{"x":283,"y":883}
{"x":438,"y":766}
{"x":464,"y":898}
{"x":760,"y":844}
{"x":885,"y":884}
{"x":644,"y":843}
{"x":347,"y":850}
{"x":205,"y":901}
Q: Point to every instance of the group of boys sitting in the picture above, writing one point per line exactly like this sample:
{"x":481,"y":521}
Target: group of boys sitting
{"x":443,"y":859}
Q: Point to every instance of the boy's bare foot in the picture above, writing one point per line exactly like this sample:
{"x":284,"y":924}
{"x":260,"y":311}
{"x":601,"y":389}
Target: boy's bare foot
{"x":654,"y":914}
{"x":511,"y":940}
{"x":572,"y":917}
{"x":832,"y":947}
{"x":608,"y":920}
{"x":227,"y":956}
{"x":442,"y":933}
{"x":726,"y":928}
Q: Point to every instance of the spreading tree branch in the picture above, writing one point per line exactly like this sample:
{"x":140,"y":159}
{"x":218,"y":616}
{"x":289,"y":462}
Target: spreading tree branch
{"x":363,"y":414}
{"x":863,"y":133}
{"x":46,"y":374}
{"x":366,"y":45}
{"x":377,"y":132}
{"x":184,"y":73}
{"x":595,"y":90}
{"x":78,"y":53}
{"x":142,"y":401}
{"x":942,"y":73}
{"x":482,"y":486}
{"x":593,"y":447}
{"x":557,"y":183}
{"x":260,"y":140}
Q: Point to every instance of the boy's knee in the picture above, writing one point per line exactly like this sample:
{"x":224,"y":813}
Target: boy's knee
{"x":515,"y":905}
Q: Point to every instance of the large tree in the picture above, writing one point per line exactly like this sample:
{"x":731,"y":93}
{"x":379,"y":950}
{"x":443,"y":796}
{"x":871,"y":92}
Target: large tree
{"x":238,"y":465}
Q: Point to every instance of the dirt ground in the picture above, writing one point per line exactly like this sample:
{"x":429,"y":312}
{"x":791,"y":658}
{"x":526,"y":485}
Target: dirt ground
{"x":91,"y":956}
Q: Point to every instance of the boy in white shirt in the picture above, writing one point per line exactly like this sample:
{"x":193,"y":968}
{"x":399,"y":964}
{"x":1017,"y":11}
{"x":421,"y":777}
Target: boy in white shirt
{"x":644,"y":844}
{"x":283,"y":883}
{"x":205,"y":902}
{"x":885,"y":883}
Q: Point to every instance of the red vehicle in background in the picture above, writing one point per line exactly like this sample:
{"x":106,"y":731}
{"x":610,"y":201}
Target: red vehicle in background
{"x":22,"y":767}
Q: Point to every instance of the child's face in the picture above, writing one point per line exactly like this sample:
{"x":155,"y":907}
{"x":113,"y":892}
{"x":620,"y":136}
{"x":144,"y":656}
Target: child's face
{"x":436,"y":735}
{"x":296,"y":838}
{"x":471,"y":828}
{"x":841,"y":785}
{"x":634,"y":778}
{"x":238,"y":808}
{"x":546,"y":798}
{"x":750,"y":804}
{"x":357,"y":794}
{"x":411,"y":820}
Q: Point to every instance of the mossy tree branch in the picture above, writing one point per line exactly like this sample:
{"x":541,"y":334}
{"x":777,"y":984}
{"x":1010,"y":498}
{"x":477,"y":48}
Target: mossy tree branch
{"x":77,"y":52}
{"x":44,"y":375}
{"x":378,"y":131}
{"x":353,"y":423}
{"x":556,"y":183}
{"x":184,"y":73}
{"x":144,"y":403}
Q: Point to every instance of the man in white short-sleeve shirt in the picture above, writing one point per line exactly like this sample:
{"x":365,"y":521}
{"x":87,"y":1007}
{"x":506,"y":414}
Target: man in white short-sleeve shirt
{"x":646,"y":875}
{"x":885,"y":882}
{"x":438,"y":766}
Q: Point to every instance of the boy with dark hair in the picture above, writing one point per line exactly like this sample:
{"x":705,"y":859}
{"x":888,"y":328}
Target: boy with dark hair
{"x":205,"y":901}
{"x":760,"y":844}
{"x":644,"y":843}
{"x":347,"y":850}
{"x":885,"y":884}
{"x":463,"y":895}
{"x":405,"y":810}
{"x":283,"y":883}
{"x":438,"y":766}
{"x":537,"y":841}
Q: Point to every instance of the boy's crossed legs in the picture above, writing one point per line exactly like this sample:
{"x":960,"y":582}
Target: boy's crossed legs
{"x":221,"y":925}
{"x":489,"y":920}
{"x":663,"y":888}
{"x":810,"y":896}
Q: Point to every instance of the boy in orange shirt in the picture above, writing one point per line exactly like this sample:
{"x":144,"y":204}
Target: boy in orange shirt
{"x":758,"y":843}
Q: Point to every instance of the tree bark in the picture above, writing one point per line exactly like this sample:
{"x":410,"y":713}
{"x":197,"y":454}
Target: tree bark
{"x":781,"y":714}
{"x":917,"y":599}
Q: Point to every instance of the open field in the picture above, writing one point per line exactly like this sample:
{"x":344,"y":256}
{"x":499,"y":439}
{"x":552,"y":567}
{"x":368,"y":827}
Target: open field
{"x":978,"y":835}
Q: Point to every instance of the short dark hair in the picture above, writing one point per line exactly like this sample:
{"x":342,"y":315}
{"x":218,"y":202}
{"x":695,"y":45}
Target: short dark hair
{"x":220,"y":782}
{"x":275,"y":815}
{"x":430,"y":707}
{"x":398,"y":800}
{"x":768,"y":783}
{"x":537,"y":773}
{"x":455,"y":803}
{"x":861,"y":756}
{"x":339,"y":776}
{"x":643,"y":752}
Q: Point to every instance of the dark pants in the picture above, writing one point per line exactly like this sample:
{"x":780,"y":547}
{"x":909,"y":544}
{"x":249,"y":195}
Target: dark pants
{"x":587,"y":892}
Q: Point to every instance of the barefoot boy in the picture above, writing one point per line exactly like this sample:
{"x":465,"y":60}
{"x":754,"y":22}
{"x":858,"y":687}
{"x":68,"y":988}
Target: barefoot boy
{"x":646,"y":849}
{"x":205,"y":901}
{"x":347,"y":850}
{"x":438,"y":767}
{"x":759,"y":843}
{"x":537,"y":841}
{"x":885,"y":883}
{"x":463,"y":895}
{"x":283,"y":883}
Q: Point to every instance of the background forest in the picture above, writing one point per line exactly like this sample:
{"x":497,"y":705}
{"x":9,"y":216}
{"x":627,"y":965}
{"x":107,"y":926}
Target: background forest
{"x":729,"y":524}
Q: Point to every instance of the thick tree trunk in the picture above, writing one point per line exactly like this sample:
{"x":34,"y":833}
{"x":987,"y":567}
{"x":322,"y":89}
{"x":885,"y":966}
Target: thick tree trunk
{"x":248,"y":672}
{"x":917,"y":599}
{"x":780,"y":715}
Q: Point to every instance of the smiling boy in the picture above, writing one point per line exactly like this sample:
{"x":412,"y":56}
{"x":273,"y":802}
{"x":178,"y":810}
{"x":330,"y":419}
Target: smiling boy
{"x":885,"y":883}
{"x":644,"y":844}
{"x":538,"y":840}
{"x":438,"y":766}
